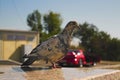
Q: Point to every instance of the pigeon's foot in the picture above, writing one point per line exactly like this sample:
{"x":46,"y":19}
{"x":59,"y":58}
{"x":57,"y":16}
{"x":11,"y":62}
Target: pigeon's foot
{"x":57,"y":67}
{"x":54,"y":66}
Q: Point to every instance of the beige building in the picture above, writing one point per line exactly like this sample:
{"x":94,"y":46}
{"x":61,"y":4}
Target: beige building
{"x":12,"y":43}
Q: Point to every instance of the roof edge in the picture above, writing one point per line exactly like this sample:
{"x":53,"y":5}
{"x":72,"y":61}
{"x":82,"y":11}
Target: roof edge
{"x":8,"y":30}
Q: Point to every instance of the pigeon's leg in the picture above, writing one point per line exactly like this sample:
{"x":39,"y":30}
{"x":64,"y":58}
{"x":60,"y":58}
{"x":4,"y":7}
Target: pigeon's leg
{"x":53,"y":65}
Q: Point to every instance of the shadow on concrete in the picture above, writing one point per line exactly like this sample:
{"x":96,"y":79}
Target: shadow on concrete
{"x":1,"y":72}
{"x":85,"y":66}
{"x":25,"y":69}
{"x":29,"y":69}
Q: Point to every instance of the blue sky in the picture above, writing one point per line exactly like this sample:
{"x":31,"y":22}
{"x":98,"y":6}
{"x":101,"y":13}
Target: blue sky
{"x":105,"y":14}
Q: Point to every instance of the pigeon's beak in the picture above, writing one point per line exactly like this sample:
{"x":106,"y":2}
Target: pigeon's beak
{"x":78,"y":27}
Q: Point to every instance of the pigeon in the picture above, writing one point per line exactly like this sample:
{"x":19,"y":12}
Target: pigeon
{"x":54,"y":48}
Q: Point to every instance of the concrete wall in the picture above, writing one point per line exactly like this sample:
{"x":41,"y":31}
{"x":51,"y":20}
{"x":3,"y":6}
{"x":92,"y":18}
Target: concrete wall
{"x":11,"y":43}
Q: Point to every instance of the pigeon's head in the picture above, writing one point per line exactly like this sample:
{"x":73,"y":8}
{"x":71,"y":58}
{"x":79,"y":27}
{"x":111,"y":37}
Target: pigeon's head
{"x":70,"y":27}
{"x":73,"y":24}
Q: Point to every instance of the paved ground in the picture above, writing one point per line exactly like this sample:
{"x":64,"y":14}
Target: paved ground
{"x":14,"y":72}
{"x":84,"y":74}
{"x":11,"y":73}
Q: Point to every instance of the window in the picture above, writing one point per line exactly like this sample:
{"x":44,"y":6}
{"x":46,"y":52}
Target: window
{"x":30,"y":38}
{"x":10,"y":37}
{"x":20,"y":37}
{"x":15,"y":37}
{"x":0,"y":38}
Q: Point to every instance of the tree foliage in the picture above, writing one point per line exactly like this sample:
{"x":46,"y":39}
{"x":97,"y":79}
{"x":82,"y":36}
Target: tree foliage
{"x":50,"y":27}
{"x":99,"y":42}
{"x":52,"y":23}
{"x":113,"y":51}
{"x":34,"y":21}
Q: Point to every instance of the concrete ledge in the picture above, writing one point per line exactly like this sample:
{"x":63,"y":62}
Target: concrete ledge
{"x":114,"y":75}
{"x":9,"y":62}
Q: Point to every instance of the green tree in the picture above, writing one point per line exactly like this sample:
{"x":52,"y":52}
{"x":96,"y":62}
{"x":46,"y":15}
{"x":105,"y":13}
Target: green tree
{"x":86,"y":34}
{"x":98,"y":42}
{"x":34,"y":21}
{"x":92,"y":40}
{"x":113,"y":51}
{"x":52,"y":23}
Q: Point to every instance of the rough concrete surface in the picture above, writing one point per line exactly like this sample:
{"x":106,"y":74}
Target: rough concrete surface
{"x":88,"y":74}
{"x":15,"y":72}
{"x":11,"y":73}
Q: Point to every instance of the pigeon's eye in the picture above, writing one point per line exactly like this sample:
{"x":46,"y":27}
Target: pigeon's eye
{"x":56,"y":46}
{"x":49,"y":49}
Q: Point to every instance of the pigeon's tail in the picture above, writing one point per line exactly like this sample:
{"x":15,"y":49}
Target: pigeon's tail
{"x":28,"y":62}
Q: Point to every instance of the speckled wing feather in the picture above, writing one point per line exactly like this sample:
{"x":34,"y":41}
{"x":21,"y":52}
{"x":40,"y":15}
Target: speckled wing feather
{"x":51,"y":50}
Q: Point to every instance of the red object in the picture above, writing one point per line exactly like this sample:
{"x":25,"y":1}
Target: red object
{"x":77,"y":58}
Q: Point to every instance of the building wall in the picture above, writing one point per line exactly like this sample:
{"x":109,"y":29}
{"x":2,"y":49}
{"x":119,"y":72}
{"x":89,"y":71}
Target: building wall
{"x":11,"y":43}
{"x":1,"y":47}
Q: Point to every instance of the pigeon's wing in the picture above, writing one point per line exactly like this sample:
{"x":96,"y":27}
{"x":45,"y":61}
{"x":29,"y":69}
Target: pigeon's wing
{"x":29,"y":61}
{"x":51,"y":50}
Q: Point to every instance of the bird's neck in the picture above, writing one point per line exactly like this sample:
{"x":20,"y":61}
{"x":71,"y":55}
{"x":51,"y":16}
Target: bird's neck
{"x":66,"y":39}
{"x":67,"y":34}
{"x":68,"y":31}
